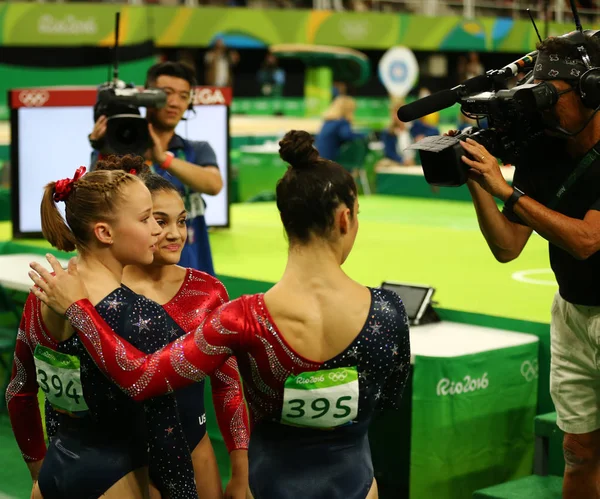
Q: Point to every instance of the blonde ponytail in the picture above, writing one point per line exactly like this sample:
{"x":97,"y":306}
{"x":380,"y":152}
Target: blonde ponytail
{"x":54,"y":227}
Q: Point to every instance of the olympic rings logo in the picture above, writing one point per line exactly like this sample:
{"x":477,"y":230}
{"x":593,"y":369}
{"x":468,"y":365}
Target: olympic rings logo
{"x":338,"y":376}
{"x":530,"y":370}
{"x":34,"y":98}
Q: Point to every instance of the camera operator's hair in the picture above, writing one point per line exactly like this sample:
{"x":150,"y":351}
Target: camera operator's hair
{"x":94,"y":197}
{"x":170,"y":68}
{"x":311,"y":189}
{"x":153,"y":181}
{"x":564,"y":48}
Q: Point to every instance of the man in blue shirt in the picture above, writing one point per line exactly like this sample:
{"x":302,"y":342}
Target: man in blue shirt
{"x":190,"y":165}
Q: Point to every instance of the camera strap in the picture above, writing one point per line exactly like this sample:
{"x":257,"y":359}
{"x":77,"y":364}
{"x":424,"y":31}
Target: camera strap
{"x":592,"y":155}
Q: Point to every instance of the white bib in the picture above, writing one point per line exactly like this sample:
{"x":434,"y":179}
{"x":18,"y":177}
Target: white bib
{"x":59,"y":377}
{"x":321,"y":399}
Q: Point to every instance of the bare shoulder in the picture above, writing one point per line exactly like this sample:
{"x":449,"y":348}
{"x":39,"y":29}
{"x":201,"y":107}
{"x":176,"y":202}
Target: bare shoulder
{"x":178,"y":273}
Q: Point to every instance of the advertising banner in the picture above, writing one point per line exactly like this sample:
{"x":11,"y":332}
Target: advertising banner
{"x":75,"y":24}
{"x":472,"y":421}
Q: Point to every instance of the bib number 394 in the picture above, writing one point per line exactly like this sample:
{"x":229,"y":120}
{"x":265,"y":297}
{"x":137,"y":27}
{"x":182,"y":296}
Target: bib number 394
{"x":59,"y":377}
{"x":321,"y":399}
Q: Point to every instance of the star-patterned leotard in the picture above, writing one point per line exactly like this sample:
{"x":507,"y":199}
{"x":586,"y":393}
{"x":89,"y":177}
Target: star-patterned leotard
{"x":94,"y":449}
{"x":309,"y":419}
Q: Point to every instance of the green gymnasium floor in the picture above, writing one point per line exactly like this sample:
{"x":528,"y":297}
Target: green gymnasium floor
{"x":400,"y":239}
{"x":407,"y":240}
{"x":420,"y":241}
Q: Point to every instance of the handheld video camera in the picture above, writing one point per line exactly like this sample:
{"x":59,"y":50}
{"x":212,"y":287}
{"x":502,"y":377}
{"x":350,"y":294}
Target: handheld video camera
{"x":514,"y":126}
{"x":126,"y":129}
{"x":514,"y":117}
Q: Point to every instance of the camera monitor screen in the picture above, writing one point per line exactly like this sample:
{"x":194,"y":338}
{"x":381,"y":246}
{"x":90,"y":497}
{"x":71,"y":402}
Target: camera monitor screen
{"x":49,"y":141}
{"x":415,"y":298}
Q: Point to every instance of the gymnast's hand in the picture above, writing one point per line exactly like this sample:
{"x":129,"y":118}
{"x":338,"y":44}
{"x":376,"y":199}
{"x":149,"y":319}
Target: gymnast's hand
{"x":237,"y":488}
{"x":58,"y":291}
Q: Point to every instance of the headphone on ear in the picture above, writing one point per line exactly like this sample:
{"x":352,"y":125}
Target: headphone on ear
{"x":589,"y":82}
{"x":192,"y":96}
{"x":190,"y":108}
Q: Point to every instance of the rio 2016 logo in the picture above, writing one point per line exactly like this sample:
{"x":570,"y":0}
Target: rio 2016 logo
{"x":467,"y":384}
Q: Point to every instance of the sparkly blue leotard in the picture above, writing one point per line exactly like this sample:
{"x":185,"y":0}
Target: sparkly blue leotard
{"x":89,"y":454}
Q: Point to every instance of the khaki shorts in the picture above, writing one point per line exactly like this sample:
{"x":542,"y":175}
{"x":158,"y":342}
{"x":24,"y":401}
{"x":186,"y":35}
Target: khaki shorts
{"x":575,"y":366}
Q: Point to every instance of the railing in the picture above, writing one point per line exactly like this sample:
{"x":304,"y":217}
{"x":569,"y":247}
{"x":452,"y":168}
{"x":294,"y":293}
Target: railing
{"x":553,"y":10}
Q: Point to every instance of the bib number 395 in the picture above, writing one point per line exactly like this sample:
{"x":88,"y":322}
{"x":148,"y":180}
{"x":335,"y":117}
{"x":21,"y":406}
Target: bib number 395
{"x":59,"y":377}
{"x":321,"y":399}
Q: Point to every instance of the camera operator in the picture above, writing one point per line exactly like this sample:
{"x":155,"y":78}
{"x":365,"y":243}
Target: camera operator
{"x":190,"y":165}
{"x":557,"y":194}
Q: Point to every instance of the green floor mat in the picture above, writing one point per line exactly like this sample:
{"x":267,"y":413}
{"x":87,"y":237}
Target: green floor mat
{"x":531,"y":487}
{"x":14,"y":476}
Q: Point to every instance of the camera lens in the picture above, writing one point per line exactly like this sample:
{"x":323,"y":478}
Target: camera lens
{"x":126,"y":135}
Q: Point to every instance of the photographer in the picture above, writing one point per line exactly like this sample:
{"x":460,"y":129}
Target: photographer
{"x":190,"y":165}
{"x":557,"y":194}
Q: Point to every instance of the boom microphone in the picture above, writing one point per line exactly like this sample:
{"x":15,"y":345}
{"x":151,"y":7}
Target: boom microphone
{"x":446,"y":98}
{"x":441,"y":100}
{"x":427,"y":105}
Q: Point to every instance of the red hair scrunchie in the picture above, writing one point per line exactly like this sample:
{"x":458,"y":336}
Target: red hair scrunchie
{"x":63,"y":187}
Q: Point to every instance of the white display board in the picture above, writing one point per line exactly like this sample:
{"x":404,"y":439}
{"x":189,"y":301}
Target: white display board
{"x":51,"y":142}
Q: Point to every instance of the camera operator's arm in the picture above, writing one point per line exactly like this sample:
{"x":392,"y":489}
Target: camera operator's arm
{"x":205,"y":180}
{"x":506,"y":239}
{"x":580,"y":238}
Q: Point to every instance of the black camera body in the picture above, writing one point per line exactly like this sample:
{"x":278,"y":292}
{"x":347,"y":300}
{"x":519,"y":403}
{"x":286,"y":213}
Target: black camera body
{"x":514,"y":125}
{"x":441,"y":156}
{"x":126,"y":129}
{"x":517,"y":118}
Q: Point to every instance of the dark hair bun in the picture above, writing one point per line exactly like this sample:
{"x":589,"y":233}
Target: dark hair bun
{"x":296,"y":148}
{"x":129,"y":163}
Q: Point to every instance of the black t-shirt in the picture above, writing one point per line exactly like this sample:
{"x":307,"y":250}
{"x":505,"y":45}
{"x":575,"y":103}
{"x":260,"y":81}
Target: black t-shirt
{"x":540,"y":178}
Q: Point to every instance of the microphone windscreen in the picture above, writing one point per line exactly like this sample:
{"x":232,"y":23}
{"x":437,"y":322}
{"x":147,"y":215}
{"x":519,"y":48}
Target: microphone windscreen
{"x":427,"y":105}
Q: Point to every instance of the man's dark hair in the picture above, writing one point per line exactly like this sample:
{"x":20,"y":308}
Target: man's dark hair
{"x":170,"y":68}
{"x":566,"y":48}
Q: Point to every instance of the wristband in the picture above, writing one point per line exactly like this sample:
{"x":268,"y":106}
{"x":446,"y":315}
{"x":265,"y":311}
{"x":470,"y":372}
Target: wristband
{"x":167,"y":162}
{"x":514,"y":197}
